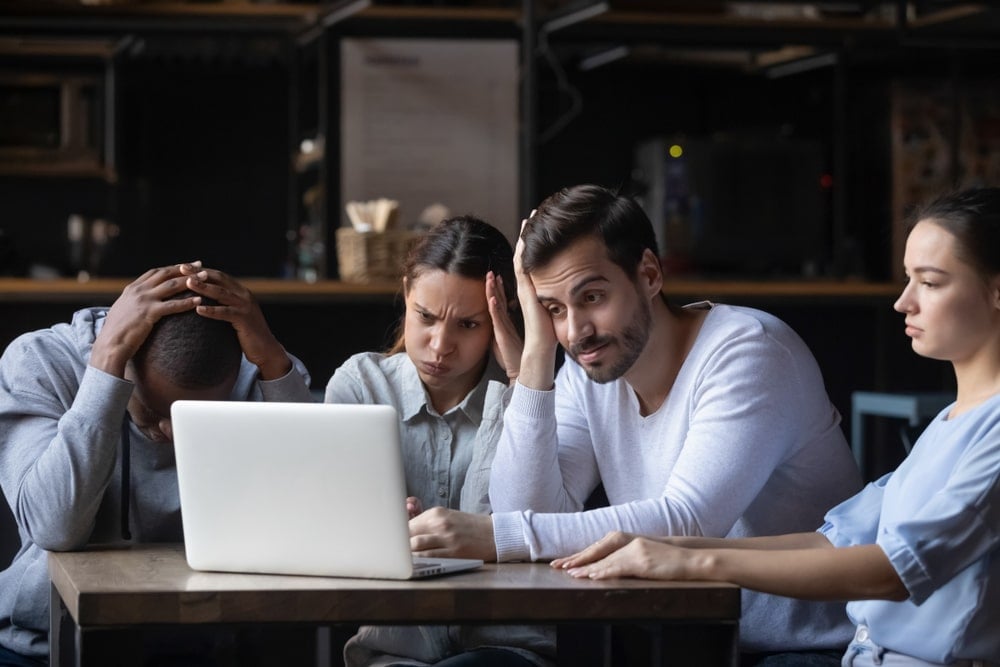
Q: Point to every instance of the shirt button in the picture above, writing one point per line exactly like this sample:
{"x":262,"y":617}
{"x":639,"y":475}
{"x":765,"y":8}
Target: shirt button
{"x":862,"y":635}
{"x":442,"y":491}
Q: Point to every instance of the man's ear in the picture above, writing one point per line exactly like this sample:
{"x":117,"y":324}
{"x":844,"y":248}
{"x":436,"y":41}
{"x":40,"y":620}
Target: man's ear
{"x":995,"y":291}
{"x":650,"y":273}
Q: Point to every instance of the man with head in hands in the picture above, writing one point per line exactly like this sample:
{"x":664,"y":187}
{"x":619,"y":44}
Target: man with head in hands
{"x":85,"y":432}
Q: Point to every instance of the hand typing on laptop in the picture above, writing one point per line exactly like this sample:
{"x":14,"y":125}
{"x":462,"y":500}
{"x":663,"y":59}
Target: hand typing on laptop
{"x":413,"y":506}
{"x":443,"y":533}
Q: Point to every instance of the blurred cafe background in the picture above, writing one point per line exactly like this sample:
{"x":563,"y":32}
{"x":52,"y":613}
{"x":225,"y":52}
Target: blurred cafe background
{"x":776,"y":146}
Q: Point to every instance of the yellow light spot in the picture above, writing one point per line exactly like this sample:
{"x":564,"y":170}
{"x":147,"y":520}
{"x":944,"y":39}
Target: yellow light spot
{"x":676,"y":151}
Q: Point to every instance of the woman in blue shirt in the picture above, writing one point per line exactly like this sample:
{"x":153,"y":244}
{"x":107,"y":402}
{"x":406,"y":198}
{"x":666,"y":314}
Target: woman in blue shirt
{"x":918,"y":551}
{"x":447,"y":376}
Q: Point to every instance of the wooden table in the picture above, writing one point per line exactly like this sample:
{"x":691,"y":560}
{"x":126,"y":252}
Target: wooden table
{"x":100,"y":597}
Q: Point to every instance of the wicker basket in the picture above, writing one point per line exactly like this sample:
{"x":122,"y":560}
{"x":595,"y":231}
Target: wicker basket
{"x":365,"y":257}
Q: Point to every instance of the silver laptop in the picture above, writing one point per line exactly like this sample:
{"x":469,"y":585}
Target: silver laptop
{"x":296,"y":488}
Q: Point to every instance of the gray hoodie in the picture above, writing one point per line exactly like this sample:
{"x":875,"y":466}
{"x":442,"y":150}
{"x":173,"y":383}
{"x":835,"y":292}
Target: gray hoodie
{"x":61,"y":453}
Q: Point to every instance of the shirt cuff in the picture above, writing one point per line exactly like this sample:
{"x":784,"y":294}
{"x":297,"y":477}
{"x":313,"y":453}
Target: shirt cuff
{"x":533,"y":403}
{"x":907,"y":565}
{"x":290,"y":387}
{"x":508,"y":536}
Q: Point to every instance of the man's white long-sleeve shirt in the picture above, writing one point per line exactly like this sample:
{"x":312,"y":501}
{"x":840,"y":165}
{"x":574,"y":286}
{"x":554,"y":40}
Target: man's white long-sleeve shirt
{"x":746,"y":443}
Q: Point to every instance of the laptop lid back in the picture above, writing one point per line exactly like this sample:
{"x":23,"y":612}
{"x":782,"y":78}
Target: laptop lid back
{"x":292,"y":488}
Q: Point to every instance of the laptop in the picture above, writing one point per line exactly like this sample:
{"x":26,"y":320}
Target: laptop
{"x":296,"y":488}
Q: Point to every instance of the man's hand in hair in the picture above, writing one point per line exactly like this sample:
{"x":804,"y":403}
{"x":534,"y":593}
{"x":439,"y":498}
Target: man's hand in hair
{"x":131,"y":318}
{"x":237,"y":305}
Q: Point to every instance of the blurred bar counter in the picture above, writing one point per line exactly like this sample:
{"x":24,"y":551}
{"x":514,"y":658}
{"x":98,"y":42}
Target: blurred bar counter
{"x":103,"y":291}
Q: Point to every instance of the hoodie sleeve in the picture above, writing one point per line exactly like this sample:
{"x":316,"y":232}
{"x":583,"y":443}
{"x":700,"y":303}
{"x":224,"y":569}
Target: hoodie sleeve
{"x":60,"y":425}
{"x":293,"y":387}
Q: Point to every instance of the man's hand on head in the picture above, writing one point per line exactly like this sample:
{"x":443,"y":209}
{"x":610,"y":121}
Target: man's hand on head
{"x":443,"y":533}
{"x":538,"y":359}
{"x":237,"y":305}
{"x":131,"y":317}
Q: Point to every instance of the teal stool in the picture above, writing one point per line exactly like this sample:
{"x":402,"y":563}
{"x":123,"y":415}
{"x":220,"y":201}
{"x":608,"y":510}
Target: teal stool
{"x":917,"y":408}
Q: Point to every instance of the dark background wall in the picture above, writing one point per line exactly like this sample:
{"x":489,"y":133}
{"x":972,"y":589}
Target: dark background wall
{"x":205,"y":134}
{"x":203,"y":155}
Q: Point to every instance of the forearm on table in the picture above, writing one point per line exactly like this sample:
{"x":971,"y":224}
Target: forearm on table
{"x":550,"y":535}
{"x":847,"y":573}
{"x":810,"y":540}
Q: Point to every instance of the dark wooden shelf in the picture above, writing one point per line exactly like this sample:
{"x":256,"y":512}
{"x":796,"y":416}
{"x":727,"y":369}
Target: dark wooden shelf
{"x":58,"y":170}
{"x":290,"y":17}
{"x":414,"y":13}
{"x":102,"y":291}
{"x":281,"y":17}
{"x":708,"y":30}
{"x":781,"y":289}
{"x":105,"y":290}
{"x":293,"y":16}
{"x":828,"y":22}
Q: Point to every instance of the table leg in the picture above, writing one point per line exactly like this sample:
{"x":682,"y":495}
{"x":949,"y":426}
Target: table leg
{"x":57,"y":611}
{"x":72,"y":646}
{"x":65,"y":638}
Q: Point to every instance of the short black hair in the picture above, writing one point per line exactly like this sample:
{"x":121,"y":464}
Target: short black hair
{"x":190,"y":350}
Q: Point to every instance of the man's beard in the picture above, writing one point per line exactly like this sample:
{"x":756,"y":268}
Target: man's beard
{"x":633,"y":341}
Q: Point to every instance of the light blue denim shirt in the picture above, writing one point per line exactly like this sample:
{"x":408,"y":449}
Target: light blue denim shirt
{"x":447,"y":460}
{"x":937,"y":517}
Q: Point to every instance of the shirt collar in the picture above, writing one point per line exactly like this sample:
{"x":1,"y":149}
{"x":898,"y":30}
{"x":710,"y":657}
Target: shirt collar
{"x":414,"y":397}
